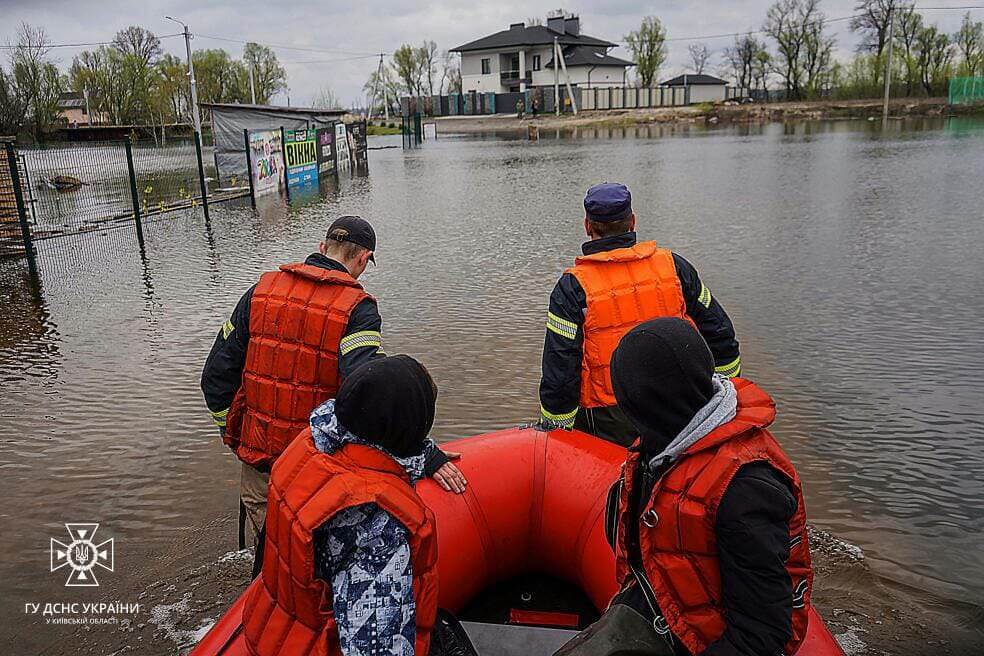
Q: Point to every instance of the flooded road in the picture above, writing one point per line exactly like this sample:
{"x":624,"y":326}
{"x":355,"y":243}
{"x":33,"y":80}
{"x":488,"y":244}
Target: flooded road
{"x":849,"y":261}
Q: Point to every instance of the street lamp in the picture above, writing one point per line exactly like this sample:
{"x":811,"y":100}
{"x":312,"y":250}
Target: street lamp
{"x":191,"y":74}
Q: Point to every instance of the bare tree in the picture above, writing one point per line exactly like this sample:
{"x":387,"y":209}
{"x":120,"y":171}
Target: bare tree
{"x":908,"y":25}
{"x":699,"y":55}
{"x":140,"y":43}
{"x":935,"y":52}
{"x":648,"y":48}
{"x":327,"y":99}
{"x":970,"y":42}
{"x":406,"y":67}
{"x":803,"y":51}
{"x":761,"y":67}
{"x":741,"y":57}
{"x":450,"y":73}
{"x":872,"y":21}
{"x":36,"y":78}
{"x":427,"y":61}
{"x":816,"y":57}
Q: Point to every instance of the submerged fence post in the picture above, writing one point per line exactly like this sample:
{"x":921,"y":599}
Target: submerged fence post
{"x":133,"y":189}
{"x":201,"y":174}
{"x":249,"y":168}
{"x":32,"y":264}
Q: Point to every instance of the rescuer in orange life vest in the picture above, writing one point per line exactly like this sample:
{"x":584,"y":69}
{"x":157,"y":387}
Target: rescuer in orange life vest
{"x":614,"y":286}
{"x":350,"y":550}
{"x":707,"y":522}
{"x":292,"y":338}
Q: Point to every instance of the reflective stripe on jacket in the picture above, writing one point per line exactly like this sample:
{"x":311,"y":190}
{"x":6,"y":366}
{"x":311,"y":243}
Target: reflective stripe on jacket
{"x":297,"y":318}
{"x":676,"y":527}
{"x":623,"y":287}
{"x":289,"y":612}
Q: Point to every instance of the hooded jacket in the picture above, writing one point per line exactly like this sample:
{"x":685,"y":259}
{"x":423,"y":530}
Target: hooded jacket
{"x":373,"y":560}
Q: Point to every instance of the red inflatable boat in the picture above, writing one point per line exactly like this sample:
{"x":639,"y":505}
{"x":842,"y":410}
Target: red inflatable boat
{"x":523,"y":547}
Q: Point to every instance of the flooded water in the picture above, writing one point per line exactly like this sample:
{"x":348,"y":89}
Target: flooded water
{"x":849,"y":260}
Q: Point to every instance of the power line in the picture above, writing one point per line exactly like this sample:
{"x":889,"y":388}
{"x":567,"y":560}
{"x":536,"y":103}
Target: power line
{"x":284,"y":47}
{"x":329,"y":61}
{"x":81,"y":45}
{"x":810,"y":23}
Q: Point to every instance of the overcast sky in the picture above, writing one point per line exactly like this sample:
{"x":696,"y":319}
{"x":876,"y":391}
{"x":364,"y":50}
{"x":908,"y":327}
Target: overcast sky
{"x":355,"y":28}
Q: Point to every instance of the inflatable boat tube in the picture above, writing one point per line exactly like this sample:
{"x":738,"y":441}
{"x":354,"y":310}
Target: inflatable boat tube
{"x":534,"y":505}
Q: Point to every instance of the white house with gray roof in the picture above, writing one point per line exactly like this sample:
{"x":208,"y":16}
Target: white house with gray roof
{"x":522,"y":57}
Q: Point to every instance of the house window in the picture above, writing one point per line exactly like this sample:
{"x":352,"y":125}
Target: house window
{"x":536,"y":62}
{"x":486,"y":66}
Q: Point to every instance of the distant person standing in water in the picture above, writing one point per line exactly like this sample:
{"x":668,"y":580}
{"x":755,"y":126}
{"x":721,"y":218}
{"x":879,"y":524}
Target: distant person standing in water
{"x":616,"y":284}
{"x":291,"y":340}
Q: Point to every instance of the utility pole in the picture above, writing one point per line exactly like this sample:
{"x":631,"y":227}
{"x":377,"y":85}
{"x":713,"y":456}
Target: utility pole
{"x":556,"y":79}
{"x":191,"y":74}
{"x":88,"y":110}
{"x":252,"y":85}
{"x":888,"y":64}
{"x":375,"y":86}
{"x":567,"y":81}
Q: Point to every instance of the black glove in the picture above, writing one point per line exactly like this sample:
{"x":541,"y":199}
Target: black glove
{"x":435,"y":460}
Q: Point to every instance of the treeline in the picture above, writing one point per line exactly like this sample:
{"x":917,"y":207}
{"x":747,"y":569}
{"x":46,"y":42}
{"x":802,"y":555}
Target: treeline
{"x":129,"y":82}
{"x":796,"y":49}
{"x":414,"y":71}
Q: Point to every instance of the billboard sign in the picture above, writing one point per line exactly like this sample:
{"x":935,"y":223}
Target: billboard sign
{"x":301,"y":157}
{"x":326,"y":151}
{"x":266,"y":156}
{"x":358,"y":142}
{"x":342,"y":157}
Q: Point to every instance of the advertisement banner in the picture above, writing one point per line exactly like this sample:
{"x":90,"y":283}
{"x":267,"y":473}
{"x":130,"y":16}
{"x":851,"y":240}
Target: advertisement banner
{"x":359,"y":144}
{"x":266,"y":156}
{"x":326,"y":151}
{"x":342,"y":157}
{"x":301,"y":157}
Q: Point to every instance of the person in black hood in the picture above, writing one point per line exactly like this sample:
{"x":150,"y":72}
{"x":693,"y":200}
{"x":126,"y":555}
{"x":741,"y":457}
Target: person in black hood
{"x":389,"y":401}
{"x":372,"y":540}
{"x":703,"y":448}
{"x":662,"y":374}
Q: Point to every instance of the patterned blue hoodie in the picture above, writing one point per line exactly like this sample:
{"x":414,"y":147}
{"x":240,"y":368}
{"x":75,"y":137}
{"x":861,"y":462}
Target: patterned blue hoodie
{"x":363,"y":554}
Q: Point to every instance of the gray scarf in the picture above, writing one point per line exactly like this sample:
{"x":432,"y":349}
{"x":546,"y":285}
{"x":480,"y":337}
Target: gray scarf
{"x":721,"y":409}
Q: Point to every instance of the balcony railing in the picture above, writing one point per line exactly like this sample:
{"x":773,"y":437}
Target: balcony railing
{"x":513,"y":77}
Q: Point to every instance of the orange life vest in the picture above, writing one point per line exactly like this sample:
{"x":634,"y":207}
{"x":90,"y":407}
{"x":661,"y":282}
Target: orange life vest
{"x":289,"y":612}
{"x":297,"y":317}
{"x":677,"y":538}
{"x":624,"y":287}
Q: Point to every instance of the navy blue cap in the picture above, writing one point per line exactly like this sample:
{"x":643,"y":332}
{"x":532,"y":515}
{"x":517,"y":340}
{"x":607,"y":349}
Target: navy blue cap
{"x":607,"y":202}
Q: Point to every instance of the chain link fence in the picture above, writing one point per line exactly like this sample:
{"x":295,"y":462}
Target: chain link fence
{"x":82,"y":198}
{"x":966,"y":90}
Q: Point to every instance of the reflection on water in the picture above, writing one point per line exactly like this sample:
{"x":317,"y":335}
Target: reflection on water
{"x":849,"y":260}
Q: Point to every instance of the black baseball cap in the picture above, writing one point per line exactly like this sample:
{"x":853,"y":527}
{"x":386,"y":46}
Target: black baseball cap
{"x":355,"y":230}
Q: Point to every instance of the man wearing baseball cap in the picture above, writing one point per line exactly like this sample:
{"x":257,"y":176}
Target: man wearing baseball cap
{"x":617,"y":284}
{"x":291,"y":340}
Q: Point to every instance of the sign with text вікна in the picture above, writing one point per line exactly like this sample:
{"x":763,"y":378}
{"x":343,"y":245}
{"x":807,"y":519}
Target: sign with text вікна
{"x":342,"y":157}
{"x":301,"y":157}
{"x":326,"y":150}
{"x":266,"y":156}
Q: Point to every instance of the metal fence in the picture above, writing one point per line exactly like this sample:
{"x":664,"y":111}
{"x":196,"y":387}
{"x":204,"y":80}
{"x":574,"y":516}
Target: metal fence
{"x":82,"y":196}
{"x":966,"y":90}
{"x":542,"y":99}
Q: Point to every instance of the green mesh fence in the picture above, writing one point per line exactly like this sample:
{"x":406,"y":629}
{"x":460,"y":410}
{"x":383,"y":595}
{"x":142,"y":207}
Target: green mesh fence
{"x":966,"y":90}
